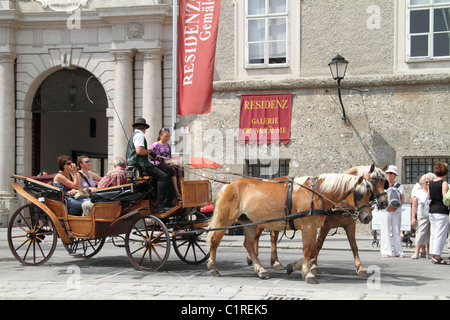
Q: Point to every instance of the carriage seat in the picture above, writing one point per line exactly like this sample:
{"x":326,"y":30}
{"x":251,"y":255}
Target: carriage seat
{"x":91,"y":227}
{"x":42,"y":190}
{"x":123,"y":193}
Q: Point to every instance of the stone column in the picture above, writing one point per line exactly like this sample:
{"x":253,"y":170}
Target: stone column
{"x":8,"y":202}
{"x":7,"y":124}
{"x":152,"y":93}
{"x":123,"y":100}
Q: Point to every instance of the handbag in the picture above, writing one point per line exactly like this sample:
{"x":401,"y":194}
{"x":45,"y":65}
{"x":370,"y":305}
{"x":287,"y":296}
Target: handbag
{"x":81,"y":194}
{"x":446,"y":199}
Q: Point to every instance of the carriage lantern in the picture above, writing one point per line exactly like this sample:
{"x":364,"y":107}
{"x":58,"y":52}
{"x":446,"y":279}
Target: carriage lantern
{"x":338,"y":68}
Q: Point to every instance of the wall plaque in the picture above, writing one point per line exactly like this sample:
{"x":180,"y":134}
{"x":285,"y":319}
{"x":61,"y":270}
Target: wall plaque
{"x":63,"y":5}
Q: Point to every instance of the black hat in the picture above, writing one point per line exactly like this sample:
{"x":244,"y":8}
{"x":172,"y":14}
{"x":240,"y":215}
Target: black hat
{"x":141,"y":122}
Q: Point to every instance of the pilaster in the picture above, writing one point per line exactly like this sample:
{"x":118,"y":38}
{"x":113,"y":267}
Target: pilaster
{"x":123,"y":100}
{"x":152,"y":92}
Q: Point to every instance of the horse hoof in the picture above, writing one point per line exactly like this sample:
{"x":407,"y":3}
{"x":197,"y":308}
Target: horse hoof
{"x":362,"y":274}
{"x":315,"y":270}
{"x":264,"y":275}
{"x":278,"y":266}
{"x":214,"y":273}
{"x":290,"y":268}
{"x":312,"y":280}
{"x":249,"y":261}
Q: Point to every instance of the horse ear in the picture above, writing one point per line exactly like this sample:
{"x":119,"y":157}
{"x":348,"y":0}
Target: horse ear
{"x":360,"y":180}
{"x":372,"y":168}
{"x":384,"y":168}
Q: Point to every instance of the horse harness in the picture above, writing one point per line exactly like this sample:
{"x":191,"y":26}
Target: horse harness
{"x":290,"y":217}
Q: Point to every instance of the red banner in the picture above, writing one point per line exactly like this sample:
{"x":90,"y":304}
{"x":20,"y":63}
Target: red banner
{"x":198,"y":22}
{"x":265,"y":118}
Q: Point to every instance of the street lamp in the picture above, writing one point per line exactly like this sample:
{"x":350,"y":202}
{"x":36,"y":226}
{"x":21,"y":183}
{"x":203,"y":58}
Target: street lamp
{"x":338,"y":68}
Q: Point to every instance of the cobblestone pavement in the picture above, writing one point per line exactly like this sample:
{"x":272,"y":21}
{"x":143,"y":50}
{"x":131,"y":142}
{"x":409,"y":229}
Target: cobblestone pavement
{"x":109,"y":276}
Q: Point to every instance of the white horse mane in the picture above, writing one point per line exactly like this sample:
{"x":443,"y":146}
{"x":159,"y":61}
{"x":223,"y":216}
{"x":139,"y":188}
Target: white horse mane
{"x":341,"y":182}
{"x":376,"y":174}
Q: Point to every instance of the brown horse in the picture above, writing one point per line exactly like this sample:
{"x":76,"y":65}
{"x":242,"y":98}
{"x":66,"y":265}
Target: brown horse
{"x":377,"y":179}
{"x":249,"y":200}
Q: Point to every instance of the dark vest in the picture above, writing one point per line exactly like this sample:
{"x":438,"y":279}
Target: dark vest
{"x":135,"y":159}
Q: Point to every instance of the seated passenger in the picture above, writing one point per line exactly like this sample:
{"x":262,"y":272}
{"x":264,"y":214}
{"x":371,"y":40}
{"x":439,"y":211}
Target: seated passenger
{"x":68,"y":181}
{"x":162,"y":148}
{"x":114,"y":177}
{"x":88,"y":179}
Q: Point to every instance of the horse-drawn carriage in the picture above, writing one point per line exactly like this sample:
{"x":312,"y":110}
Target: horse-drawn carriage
{"x":277,"y":205}
{"x":123,"y":210}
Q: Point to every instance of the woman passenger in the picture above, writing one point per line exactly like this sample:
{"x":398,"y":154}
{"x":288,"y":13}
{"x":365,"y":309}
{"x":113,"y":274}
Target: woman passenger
{"x":88,"y":179}
{"x":68,"y":181}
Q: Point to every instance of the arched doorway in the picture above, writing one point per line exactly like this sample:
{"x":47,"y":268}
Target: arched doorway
{"x":69,"y":117}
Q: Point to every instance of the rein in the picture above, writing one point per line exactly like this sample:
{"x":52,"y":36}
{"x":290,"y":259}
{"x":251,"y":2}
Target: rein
{"x":289,"y":216}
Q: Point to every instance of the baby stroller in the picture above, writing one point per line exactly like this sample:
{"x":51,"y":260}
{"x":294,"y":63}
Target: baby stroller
{"x":406,"y":238}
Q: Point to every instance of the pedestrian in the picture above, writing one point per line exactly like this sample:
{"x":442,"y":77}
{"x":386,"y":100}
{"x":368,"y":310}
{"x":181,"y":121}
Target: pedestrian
{"x":391,"y":217}
{"x":420,"y":216}
{"x":439,"y":213}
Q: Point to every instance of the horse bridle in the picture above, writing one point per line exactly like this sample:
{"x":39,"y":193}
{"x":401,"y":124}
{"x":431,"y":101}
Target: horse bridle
{"x":356,"y":198}
{"x":375,"y":197}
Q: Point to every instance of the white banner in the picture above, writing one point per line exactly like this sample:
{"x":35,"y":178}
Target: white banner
{"x":406,"y":218}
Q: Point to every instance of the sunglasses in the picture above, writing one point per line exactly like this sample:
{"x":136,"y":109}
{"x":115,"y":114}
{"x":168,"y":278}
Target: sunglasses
{"x":88,"y":161}
{"x":69,"y":163}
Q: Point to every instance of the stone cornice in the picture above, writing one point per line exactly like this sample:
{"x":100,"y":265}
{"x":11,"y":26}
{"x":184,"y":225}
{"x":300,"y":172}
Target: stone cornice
{"x":120,"y":15}
{"x":327,"y":82}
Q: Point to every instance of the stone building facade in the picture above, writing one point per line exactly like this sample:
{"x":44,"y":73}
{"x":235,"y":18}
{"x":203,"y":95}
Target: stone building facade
{"x":113,"y":58}
{"x":396,"y":97}
{"x":74,"y":75}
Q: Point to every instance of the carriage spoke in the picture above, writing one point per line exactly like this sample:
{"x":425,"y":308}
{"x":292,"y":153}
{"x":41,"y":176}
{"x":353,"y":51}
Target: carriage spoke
{"x":143,"y":257}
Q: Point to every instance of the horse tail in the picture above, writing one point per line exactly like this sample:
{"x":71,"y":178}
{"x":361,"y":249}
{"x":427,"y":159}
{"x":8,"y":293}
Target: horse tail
{"x":214,"y":219}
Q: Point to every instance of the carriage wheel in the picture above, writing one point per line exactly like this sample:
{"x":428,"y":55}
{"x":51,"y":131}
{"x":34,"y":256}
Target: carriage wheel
{"x":190,"y":247}
{"x":147,"y":243}
{"x":32,"y":236}
{"x":84,"y":248}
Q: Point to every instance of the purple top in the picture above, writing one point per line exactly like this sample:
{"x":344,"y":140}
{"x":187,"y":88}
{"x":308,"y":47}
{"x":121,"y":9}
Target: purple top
{"x":163,"y":150}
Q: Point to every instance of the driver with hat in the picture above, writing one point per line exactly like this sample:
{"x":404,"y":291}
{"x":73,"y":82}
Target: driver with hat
{"x":138,"y":155}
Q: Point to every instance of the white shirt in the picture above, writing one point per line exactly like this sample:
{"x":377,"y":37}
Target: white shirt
{"x":139,"y":138}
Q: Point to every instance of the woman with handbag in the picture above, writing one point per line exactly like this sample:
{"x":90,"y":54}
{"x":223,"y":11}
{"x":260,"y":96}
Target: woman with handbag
{"x":420,"y":217}
{"x":88,"y":179}
{"x":67,"y":179}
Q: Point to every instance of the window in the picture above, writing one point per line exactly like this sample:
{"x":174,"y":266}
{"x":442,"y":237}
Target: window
{"x":269,"y":169}
{"x":429,"y":29}
{"x":267,"y":33}
{"x":418,"y":166}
